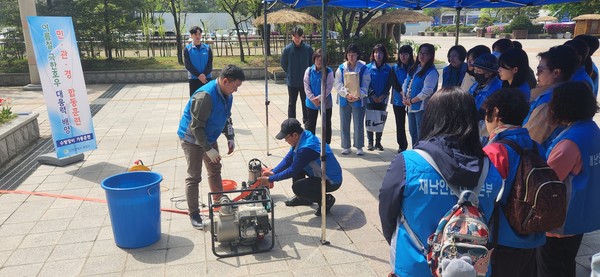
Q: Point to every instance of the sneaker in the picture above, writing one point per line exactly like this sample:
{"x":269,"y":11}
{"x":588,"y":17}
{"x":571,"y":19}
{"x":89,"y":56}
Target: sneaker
{"x":330,"y":200}
{"x":196,"y":220}
{"x":346,"y":151}
{"x":360,"y":152}
{"x":370,"y":147}
{"x":379,"y":146}
{"x":297,"y":201}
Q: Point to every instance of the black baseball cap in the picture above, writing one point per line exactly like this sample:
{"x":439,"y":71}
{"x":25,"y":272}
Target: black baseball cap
{"x":289,"y":126}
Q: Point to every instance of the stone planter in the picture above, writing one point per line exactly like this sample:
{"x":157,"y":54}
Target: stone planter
{"x":17,"y":135}
{"x":520,"y":34}
{"x":450,"y":34}
{"x":421,"y":33}
{"x":490,"y":35}
{"x":440,"y":34}
{"x":430,"y":34}
{"x":480,"y":32}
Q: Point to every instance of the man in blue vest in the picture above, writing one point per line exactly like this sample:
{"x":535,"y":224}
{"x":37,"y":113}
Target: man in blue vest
{"x":301,"y":161}
{"x":198,"y":59}
{"x":207,"y":115}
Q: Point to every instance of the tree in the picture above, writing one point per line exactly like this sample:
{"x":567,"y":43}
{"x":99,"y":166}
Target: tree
{"x":506,"y":14}
{"x":175,"y":7}
{"x":346,"y":18}
{"x":575,"y":9}
{"x":239,"y":10}
{"x":202,"y":6}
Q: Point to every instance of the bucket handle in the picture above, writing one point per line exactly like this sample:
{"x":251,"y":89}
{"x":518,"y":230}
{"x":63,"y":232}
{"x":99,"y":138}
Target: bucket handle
{"x":149,"y":193}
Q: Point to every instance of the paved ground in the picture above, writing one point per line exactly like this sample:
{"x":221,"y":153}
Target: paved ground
{"x":59,"y":237}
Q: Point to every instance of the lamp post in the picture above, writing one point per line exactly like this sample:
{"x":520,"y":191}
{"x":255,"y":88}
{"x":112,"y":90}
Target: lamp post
{"x":27,"y":8}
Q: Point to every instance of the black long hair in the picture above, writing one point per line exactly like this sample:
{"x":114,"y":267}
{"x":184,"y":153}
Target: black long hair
{"x":451,"y":112}
{"x":406,"y":49}
{"x":428,"y":65}
{"x":515,"y":58}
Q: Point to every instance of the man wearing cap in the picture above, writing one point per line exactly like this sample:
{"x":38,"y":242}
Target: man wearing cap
{"x":207,"y":115}
{"x":486,"y":80}
{"x":302,"y":163}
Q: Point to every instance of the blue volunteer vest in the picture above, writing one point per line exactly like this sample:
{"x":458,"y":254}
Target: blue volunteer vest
{"x":199,"y":58}
{"x":343,"y":101}
{"x":595,"y":81}
{"x":481,"y":95}
{"x":446,"y":75}
{"x":379,"y":80}
{"x":506,"y":235}
{"x":221,"y":110}
{"x":582,"y":76}
{"x":417,"y":84}
{"x":583,"y":212}
{"x":425,"y":200}
{"x":526,"y":90}
{"x":313,"y":169}
{"x":314,"y":79}
{"x":401,"y":74}
{"x":543,"y":98}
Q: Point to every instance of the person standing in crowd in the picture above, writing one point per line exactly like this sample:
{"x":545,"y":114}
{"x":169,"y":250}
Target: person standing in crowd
{"x":556,"y":65}
{"x":581,"y":74}
{"x":312,"y":86}
{"x":504,"y":112}
{"x":206,"y":115}
{"x":573,"y":155}
{"x":295,"y":59}
{"x":513,"y":70}
{"x":351,"y":82}
{"x":198,"y":60}
{"x":450,"y":135}
{"x":397,"y":77}
{"x":304,"y":159}
{"x":454,"y":73}
{"x":472,"y":55}
{"x":486,"y":80}
{"x":379,"y":89}
{"x":418,"y":87}
{"x":502,"y":45}
{"x":593,"y":44}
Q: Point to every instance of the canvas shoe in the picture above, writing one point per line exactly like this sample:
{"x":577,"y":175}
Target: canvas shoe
{"x":346,"y":151}
{"x":360,"y":152}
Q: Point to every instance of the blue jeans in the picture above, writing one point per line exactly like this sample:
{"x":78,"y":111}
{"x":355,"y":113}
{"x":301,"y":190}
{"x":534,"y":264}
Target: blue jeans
{"x":356,"y":114}
{"x":414,"y":125}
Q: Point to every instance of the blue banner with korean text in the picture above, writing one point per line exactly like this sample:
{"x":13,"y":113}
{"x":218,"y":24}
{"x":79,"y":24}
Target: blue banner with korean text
{"x":58,"y":63}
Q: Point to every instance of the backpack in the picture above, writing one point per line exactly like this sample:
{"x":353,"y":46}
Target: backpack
{"x":462,"y":231}
{"x":538,"y":199}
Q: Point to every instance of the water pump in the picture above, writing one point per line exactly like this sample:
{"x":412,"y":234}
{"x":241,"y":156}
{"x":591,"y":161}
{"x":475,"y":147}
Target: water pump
{"x":242,"y":221}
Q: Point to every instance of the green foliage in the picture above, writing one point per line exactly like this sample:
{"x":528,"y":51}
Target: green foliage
{"x":485,"y":20}
{"x":520,"y":22}
{"x":537,"y":29}
{"x":335,"y":50}
{"x":574,"y":9}
{"x":6,"y":114}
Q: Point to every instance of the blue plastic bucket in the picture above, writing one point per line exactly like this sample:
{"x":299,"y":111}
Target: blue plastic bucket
{"x":134,"y":207}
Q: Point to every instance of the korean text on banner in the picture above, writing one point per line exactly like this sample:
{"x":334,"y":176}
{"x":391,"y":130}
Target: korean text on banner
{"x":58,"y":62}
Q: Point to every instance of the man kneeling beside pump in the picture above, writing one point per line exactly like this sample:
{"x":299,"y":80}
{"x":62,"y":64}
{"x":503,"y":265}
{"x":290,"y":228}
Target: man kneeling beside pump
{"x":302,"y":163}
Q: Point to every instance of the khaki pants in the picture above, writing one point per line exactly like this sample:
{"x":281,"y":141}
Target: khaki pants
{"x":194,"y":155}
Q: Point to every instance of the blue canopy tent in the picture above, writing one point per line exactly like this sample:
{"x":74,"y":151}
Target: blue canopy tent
{"x":374,"y":5}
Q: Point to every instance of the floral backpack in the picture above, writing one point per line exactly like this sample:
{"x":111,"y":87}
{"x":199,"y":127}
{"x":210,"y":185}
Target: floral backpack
{"x":462,"y":231}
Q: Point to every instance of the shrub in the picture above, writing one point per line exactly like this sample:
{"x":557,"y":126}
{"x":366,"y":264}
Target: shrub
{"x":495,"y":29}
{"x":485,"y":20}
{"x":537,"y":29}
{"x":5,"y":111}
{"x":555,"y":28}
{"x":520,"y":22}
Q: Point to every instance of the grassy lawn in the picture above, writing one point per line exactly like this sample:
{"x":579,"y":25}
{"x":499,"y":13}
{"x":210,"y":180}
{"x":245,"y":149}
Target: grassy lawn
{"x":20,"y":66}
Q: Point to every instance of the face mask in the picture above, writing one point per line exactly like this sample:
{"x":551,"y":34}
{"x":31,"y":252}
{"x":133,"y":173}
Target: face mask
{"x":480,"y":78}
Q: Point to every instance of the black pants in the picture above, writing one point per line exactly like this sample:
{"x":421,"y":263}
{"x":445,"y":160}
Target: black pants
{"x":311,"y":122}
{"x":378,"y":107}
{"x":400,"y":115}
{"x":293,"y":94}
{"x":557,"y":256}
{"x":195,"y":84}
{"x":513,"y":262}
{"x":310,"y":187}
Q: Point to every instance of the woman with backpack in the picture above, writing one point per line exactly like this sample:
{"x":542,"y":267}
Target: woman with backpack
{"x":504,"y":111}
{"x":575,"y":157}
{"x":414,"y":196}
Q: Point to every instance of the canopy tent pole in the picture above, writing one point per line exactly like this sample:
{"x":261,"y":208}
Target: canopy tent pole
{"x":323,"y":97}
{"x":266,"y":75}
{"x":399,"y":36}
{"x":458,"y":24}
